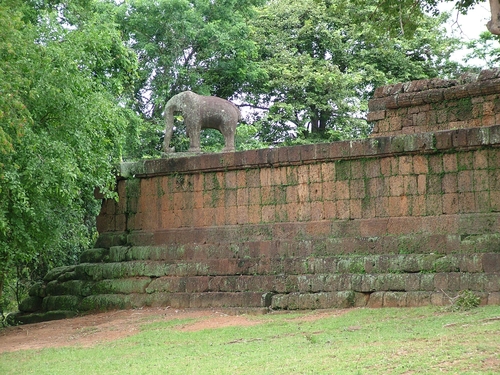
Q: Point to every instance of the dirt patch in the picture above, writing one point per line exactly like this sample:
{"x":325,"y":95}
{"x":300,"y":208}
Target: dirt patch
{"x":213,"y":322}
{"x":491,"y":364}
{"x":89,"y":330}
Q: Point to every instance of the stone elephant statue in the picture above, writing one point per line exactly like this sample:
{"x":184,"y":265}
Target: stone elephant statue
{"x":201,"y":112}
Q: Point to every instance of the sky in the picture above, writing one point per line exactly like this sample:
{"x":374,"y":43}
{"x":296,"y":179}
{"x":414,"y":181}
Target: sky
{"x":469,"y":26}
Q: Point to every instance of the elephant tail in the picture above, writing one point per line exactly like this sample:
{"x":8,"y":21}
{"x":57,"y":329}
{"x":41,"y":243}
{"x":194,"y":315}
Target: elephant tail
{"x":238,"y":110}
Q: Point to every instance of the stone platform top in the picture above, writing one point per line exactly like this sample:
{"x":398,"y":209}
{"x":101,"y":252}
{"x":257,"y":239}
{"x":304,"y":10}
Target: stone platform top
{"x":382,"y":146}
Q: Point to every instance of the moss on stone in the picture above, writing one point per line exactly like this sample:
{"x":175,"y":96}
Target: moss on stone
{"x":72,"y":287}
{"x":68,"y":303}
{"x":31,"y":304}
{"x":94,"y":255}
{"x":54,"y":273}
{"x":121,"y":286}
{"x":22,"y":318}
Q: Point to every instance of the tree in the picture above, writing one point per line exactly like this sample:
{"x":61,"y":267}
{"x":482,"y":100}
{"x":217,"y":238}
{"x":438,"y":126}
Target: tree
{"x":494,"y":24}
{"x":64,"y":72}
{"x":410,"y":11}
{"x":309,"y":65}
{"x":321,"y":65}
{"x":198,"y":45}
{"x":486,"y":49}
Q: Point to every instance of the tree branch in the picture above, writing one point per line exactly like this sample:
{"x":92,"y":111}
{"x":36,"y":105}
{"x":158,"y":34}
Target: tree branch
{"x":253,"y":106}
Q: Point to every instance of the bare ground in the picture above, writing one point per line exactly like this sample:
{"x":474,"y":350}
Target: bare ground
{"x":89,"y":330}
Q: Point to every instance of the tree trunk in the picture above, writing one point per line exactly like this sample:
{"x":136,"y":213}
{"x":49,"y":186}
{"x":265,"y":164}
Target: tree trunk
{"x":319,"y":120}
{"x":315,"y":121}
{"x":494,"y":25}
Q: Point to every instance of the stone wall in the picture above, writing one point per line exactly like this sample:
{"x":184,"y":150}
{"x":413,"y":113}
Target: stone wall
{"x":403,"y":220}
{"x":436,"y":104}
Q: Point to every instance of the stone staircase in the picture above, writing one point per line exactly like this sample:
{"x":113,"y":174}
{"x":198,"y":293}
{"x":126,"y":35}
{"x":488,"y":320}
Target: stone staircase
{"x":261,"y":274}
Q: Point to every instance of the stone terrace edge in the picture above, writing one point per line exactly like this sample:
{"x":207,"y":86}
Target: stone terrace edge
{"x":430,"y":142}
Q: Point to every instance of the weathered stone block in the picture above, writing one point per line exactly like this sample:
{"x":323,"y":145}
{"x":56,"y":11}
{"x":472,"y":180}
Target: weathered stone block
{"x":57,"y":272}
{"x":94,"y":255}
{"x":376,"y":300}
{"x":378,"y":104}
{"x":67,"y":302}
{"x":494,"y":298}
{"x":446,"y":264}
{"x":207,"y":300}
{"x":21,"y":318}
{"x":395,"y":299}
{"x":175,"y":300}
{"x":376,"y":115}
{"x":37,"y":290}
{"x":491,"y":282}
{"x":121,"y":286}
{"x":459,"y":138}
{"x":31,"y":304}
{"x":491,"y":262}
{"x":72,"y":287}
{"x":426,"y":282}
{"x":418,"y":299}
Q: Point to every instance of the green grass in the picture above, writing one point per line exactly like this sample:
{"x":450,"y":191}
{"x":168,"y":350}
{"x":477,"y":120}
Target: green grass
{"x":361,"y":341}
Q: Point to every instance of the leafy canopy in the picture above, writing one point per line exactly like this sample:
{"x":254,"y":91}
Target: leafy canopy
{"x":301,"y":70}
{"x":64,"y":71}
{"x":321,"y":67}
{"x":198,"y":45}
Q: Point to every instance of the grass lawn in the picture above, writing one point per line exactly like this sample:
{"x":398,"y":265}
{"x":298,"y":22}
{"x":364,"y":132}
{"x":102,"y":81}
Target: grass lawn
{"x":361,"y":341}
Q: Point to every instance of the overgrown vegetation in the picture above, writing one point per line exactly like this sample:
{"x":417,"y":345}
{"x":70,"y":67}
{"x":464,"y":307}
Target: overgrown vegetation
{"x":465,"y":300}
{"x":357,"y":341}
{"x":64,"y":74}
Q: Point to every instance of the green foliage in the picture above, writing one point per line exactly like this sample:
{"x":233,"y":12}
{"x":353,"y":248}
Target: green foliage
{"x":197,"y":45}
{"x":407,"y":14}
{"x":305,"y":67}
{"x":322,"y":59}
{"x":304,"y":82}
{"x":247,"y":137}
{"x":62,"y":129}
{"x":464,"y":301}
{"x":485,"y":49}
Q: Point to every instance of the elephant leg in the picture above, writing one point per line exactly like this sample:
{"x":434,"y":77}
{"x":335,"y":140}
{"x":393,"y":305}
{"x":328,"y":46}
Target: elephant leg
{"x":166,"y":142}
{"x":229,"y":139}
{"x":193,"y":132}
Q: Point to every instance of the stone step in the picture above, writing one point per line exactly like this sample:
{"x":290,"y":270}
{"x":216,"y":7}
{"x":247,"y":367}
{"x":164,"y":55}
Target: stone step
{"x":310,"y":283}
{"x":442,"y":233}
{"x":323,"y":300}
{"x":249,"y":300}
{"x":23,"y":318}
{"x":370,"y":264}
{"x":277,"y":246}
{"x":103,"y":302}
